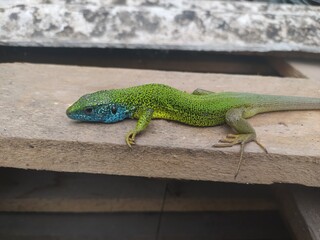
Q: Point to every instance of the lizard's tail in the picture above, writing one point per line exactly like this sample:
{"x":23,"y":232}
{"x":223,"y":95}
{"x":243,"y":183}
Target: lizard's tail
{"x":286,"y":103}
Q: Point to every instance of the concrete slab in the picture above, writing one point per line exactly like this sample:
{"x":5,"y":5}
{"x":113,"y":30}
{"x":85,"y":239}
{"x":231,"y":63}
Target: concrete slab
{"x":35,"y":132}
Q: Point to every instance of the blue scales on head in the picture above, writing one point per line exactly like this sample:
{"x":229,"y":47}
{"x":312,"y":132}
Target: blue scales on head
{"x":98,"y":107}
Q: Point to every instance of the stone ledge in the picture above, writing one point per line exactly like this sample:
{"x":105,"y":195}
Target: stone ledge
{"x":184,"y":25}
{"x":36,"y":134}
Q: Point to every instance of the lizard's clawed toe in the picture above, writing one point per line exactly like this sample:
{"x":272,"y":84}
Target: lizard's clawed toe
{"x":130,"y":138}
{"x":230,"y":135}
{"x":230,"y":140}
{"x":242,"y":139}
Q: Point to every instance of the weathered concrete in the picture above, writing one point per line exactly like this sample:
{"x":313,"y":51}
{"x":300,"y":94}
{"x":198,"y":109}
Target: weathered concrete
{"x":35,"y":132}
{"x":181,"y":24}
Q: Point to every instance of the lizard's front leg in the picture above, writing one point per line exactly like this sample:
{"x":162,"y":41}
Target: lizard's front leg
{"x":246,"y":132}
{"x":143,"y":122}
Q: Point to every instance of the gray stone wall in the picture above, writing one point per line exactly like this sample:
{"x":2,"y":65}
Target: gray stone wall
{"x":155,"y":24}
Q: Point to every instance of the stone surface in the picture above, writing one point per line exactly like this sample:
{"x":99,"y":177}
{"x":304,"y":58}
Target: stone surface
{"x":187,"y":25}
{"x":35,"y":132}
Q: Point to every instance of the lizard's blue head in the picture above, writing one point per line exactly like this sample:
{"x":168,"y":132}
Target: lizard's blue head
{"x":98,"y":107}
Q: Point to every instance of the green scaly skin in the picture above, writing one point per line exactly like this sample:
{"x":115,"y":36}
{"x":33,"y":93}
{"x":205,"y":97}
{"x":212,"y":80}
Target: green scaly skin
{"x":201,"y":108}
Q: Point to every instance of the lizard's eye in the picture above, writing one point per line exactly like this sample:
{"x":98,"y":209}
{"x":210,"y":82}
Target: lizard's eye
{"x":114,"y":109}
{"x":88,"y":110}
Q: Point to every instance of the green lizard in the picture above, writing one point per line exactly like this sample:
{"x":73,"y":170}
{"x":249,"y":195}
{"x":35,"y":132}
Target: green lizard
{"x":201,"y":108}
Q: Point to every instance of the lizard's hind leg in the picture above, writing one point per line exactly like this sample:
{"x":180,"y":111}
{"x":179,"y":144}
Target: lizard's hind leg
{"x":200,"y":91}
{"x":246,"y":133}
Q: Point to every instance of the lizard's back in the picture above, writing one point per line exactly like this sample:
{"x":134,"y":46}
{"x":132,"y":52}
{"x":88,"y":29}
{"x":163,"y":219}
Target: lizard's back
{"x":209,"y":109}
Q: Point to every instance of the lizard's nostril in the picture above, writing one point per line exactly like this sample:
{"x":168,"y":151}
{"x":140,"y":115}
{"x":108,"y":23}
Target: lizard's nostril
{"x":69,"y":111}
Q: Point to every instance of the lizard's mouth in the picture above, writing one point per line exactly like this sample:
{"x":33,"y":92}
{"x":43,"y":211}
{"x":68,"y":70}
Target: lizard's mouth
{"x":71,"y":113}
{"x":68,"y":112}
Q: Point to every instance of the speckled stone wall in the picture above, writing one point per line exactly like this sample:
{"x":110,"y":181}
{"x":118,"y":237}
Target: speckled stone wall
{"x":161,"y":24}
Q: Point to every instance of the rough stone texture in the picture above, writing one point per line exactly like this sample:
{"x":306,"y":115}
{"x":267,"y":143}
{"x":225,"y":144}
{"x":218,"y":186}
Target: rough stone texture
{"x":35,"y":132}
{"x":181,"y":24}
